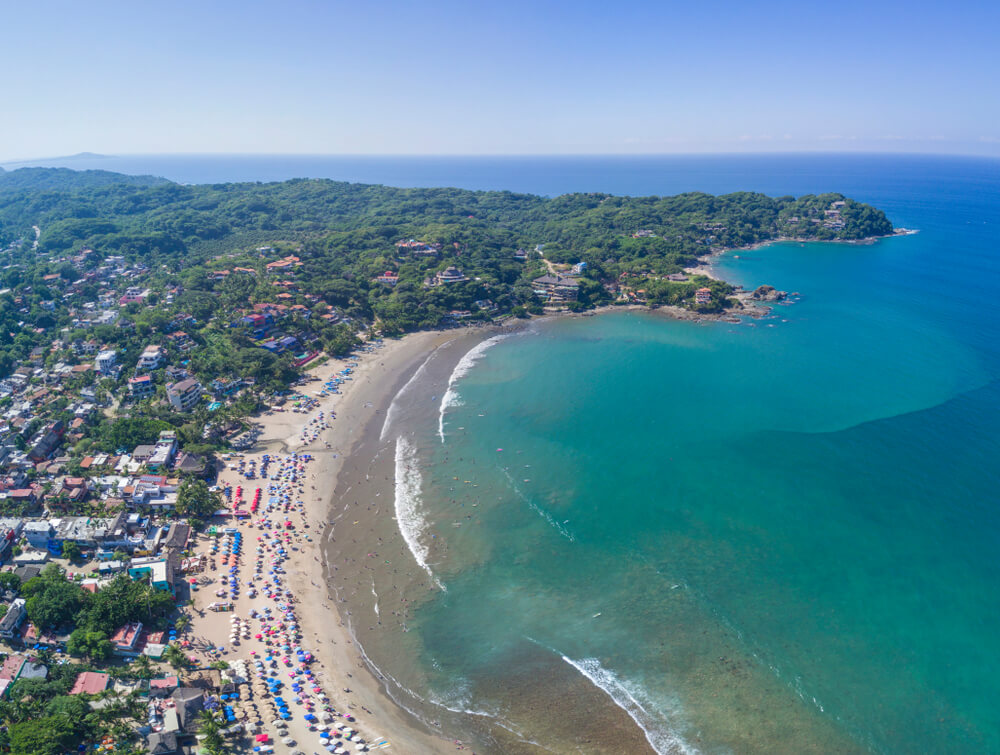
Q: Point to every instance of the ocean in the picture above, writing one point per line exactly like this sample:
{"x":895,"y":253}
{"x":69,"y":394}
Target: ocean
{"x":773,"y":536}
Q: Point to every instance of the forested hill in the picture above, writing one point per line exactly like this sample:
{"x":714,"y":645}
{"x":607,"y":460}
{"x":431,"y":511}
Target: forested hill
{"x":64,"y":179}
{"x":347,"y":234}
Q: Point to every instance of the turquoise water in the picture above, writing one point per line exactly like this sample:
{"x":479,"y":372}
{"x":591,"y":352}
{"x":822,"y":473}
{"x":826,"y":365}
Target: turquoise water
{"x":788,"y":528}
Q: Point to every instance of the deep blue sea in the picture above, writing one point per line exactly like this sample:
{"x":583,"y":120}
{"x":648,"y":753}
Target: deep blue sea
{"x":774,"y":536}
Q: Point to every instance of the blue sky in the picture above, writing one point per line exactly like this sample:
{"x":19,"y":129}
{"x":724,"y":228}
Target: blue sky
{"x":507,"y":77}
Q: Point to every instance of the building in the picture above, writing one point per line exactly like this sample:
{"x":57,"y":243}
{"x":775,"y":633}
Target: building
{"x":10,"y":531}
{"x":26,"y":497}
{"x":703,"y":296}
{"x":183,"y":396}
{"x":190,"y":464}
{"x":556,"y":288}
{"x":221,"y":387}
{"x":284,"y":265}
{"x":164,"y":450}
{"x":258,"y":322}
{"x":10,"y":669}
{"x":389,"y":278}
{"x":158,"y":571}
{"x":38,"y":533}
{"x":75,"y":488}
{"x":90,"y":683}
{"x":106,"y":362}
{"x":46,"y":441}
{"x":126,"y":639}
{"x":133,"y":294}
{"x":142,"y":454}
{"x":141,"y":386}
{"x":417,"y":248}
{"x":450,"y":274}
{"x":163,"y":687}
{"x":91,"y":533}
{"x":152,"y":357}
{"x":162,"y":743}
{"x":177,"y":536}
{"x":188,"y":704}
{"x":10,"y":624}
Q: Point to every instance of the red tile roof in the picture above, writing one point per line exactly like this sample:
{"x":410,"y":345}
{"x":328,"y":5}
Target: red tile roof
{"x":11,"y":667}
{"x":90,"y":683}
{"x":127,"y":635}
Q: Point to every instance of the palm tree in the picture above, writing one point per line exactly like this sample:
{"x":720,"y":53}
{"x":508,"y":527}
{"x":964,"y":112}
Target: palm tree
{"x":182,"y":622}
{"x":208,"y":723}
{"x":211,"y":734}
{"x":175,"y":657}
{"x":142,"y":668}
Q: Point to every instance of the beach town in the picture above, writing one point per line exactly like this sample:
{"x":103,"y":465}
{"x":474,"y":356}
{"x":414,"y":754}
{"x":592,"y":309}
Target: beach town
{"x":257,"y":654}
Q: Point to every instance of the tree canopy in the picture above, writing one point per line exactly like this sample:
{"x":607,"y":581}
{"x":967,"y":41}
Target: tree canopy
{"x":195,"y":499}
{"x":191,"y":239}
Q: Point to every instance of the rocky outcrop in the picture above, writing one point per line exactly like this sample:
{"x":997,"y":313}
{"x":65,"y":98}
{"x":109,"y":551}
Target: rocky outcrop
{"x":768,"y":293}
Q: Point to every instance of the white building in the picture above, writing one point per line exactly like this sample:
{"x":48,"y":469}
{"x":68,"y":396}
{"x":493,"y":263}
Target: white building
{"x":151,"y":358}
{"x":38,"y":533}
{"x":12,"y":620}
{"x":106,"y":362}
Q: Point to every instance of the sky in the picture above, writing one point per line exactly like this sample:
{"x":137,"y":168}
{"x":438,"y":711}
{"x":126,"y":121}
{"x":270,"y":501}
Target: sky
{"x":511,"y":77}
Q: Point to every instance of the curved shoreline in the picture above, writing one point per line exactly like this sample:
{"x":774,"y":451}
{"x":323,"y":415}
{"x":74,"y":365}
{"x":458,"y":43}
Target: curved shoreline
{"x":356,"y":461}
{"x":704,"y":266}
{"x":367,"y":603}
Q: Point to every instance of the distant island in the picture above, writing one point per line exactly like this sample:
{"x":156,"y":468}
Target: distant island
{"x":65,"y":158}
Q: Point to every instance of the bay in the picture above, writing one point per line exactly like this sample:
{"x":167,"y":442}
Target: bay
{"x":774,"y":536}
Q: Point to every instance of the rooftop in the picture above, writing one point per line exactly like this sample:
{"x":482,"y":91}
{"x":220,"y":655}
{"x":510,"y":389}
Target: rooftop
{"x":90,"y":683}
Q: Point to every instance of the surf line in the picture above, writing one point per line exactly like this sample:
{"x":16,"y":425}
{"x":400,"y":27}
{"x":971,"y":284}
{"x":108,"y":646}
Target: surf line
{"x":409,"y":517}
{"x":393,"y":410}
{"x":663,"y":742}
{"x":473,"y":355}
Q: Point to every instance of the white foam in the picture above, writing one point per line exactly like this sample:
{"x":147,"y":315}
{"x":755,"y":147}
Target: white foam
{"x":625,"y":696}
{"x":451,"y":397}
{"x":409,"y":517}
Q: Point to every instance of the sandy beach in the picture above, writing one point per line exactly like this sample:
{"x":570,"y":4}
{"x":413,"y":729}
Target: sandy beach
{"x":339,"y":665}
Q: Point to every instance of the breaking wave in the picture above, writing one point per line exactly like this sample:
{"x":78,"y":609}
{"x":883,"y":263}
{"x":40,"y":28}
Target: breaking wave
{"x":409,"y":517}
{"x":450,"y":397}
{"x":626,"y":697}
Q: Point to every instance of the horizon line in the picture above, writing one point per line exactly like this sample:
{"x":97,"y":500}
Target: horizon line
{"x":478,"y":155}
